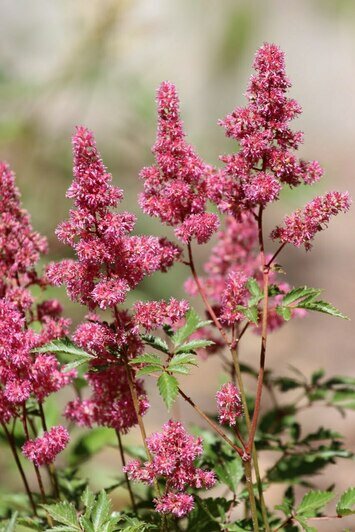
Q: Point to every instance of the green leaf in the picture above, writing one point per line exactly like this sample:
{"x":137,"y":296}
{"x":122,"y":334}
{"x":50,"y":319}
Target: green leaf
{"x":101,"y":511}
{"x":303,"y":522}
{"x":254,"y":290}
{"x":313,"y":502}
{"x":66,"y":347}
{"x":62,"y":345}
{"x":194,"y":344}
{"x":346,"y":504}
{"x":168,"y":388}
{"x":230,"y":472}
{"x":148,"y":369}
{"x":11,"y":524}
{"x":147,"y":359}
{"x":183,"y":358}
{"x":251,"y":313}
{"x":322,"y":306}
{"x":64,"y":513}
{"x":154,"y":341}
{"x":193,"y":323}
{"x":88,"y":500}
{"x":284,"y":312}
{"x":299,"y":293}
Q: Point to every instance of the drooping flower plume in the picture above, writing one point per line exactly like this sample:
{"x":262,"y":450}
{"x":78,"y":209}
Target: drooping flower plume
{"x":43,"y":450}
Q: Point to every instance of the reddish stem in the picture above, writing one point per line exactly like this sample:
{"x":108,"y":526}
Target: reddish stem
{"x":204,"y":297}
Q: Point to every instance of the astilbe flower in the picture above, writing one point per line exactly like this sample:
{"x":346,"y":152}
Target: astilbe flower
{"x":301,"y":227}
{"x":229,"y":404}
{"x":110,"y":261}
{"x":23,"y":373}
{"x":173,"y":454}
{"x":253,"y":177}
{"x":153,"y":314}
{"x":20,"y":245}
{"x":175,"y":187}
{"x":43,"y":450}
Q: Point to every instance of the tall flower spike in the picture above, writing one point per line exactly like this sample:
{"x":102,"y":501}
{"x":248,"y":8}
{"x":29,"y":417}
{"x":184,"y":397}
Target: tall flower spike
{"x":254,"y":176}
{"x":174,"y":188}
{"x":20,"y":245}
{"x":109,"y":262}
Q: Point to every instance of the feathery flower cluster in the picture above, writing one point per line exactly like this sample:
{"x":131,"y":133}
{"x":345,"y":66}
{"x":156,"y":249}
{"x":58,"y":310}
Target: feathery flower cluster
{"x":110,"y":403}
{"x":153,"y":314}
{"x":43,"y":450}
{"x":20,"y":245}
{"x":301,"y":227}
{"x":254,"y":176}
{"x":174,"y":188}
{"x":229,"y":404}
{"x":109,"y":262}
{"x":174,"y":452}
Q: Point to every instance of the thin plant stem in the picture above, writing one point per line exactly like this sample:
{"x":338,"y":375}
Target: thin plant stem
{"x":253,"y":450}
{"x":212,"y":424}
{"x":275,"y":255}
{"x":259,"y":387}
{"x":233,"y":348}
{"x":249,"y":483}
{"x":204,"y":297}
{"x":37,"y":471}
{"x":19,"y":467}
{"x":51,"y":467}
{"x":123,"y":460}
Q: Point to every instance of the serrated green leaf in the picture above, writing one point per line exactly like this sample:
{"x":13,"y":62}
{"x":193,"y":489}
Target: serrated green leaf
{"x":148,"y":369}
{"x":284,"y":312}
{"x":193,"y":322}
{"x":183,"y":370}
{"x":299,"y":293}
{"x":252,"y":313}
{"x":147,"y":358}
{"x":230,"y":472}
{"x":62,"y":345}
{"x":313,"y":502}
{"x":168,"y":388}
{"x":303,"y":522}
{"x":156,"y":342}
{"x":101,"y":511}
{"x":64,"y":513}
{"x":194,"y":344}
{"x":183,"y":358}
{"x":346,"y":504}
{"x":88,"y":500}
{"x":321,"y":306}
{"x":255,"y":291}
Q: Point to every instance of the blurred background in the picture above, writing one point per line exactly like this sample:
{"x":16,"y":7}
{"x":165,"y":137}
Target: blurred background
{"x":99,"y":63}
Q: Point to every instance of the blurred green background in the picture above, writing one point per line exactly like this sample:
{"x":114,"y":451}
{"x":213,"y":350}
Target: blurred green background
{"x":98,"y":63}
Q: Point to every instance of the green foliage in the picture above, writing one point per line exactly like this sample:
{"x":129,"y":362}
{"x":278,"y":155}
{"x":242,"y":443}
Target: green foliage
{"x":168,"y":388}
{"x":193,"y":323}
{"x":313,"y":502}
{"x":306,"y":298}
{"x":346,"y":504}
{"x":96,"y":515}
{"x":64,"y":346}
